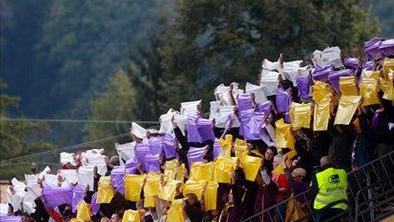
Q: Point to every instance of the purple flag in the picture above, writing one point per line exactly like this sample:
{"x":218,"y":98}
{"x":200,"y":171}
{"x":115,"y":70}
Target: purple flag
{"x":371,"y":48}
{"x":304,"y":87}
{"x":387,"y":48}
{"x":117,"y":176}
{"x":266,"y":108}
{"x":55,"y":196}
{"x":132,"y":165}
{"x":155,"y":145}
{"x":216,"y":149}
{"x":205,"y":129}
{"x":169,"y":146}
{"x":152,"y":163}
{"x":322,"y":73}
{"x":334,"y":78}
{"x":368,"y":65}
{"x":78,"y":195}
{"x":251,"y":128}
{"x":195,"y":154}
{"x":283,"y":100}
{"x":352,"y":63}
{"x":94,"y":207}
{"x":193,"y":136}
{"x":244,"y":101}
{"x":141,"y":150}
{"x":10,"y":219}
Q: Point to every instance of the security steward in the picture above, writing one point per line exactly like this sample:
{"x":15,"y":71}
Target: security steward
{"x":330,"y":188}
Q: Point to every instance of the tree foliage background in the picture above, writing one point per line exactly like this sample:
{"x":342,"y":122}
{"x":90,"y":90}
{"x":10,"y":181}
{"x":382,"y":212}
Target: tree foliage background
{"x":133,"y":60}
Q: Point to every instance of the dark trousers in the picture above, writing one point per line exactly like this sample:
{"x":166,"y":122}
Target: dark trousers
{"x":325,"y":214}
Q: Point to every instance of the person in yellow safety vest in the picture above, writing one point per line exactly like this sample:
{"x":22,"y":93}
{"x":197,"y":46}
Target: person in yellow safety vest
{"x":330,"y":188}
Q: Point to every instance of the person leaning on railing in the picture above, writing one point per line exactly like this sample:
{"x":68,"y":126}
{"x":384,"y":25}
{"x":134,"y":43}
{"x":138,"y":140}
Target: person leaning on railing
{"x":330,"y":188}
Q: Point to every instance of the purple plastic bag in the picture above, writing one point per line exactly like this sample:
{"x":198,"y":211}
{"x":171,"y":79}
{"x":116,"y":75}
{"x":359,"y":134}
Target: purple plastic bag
{"x":252,"y":129}
{"x":205,"y":129}
{"x":141,"y":150}
{"x":322,"y":73}
{"x":195,"y":154}
{"x":371,"y":48}
{"x":94,"y":207}
{"x":193,"y":136}
{"x":10,"y":219}
{"x":152,"y":163}
{"x":195,"y":158}
{"x":117,"y":178}
{"x":387,"y":48}
{"x":155,"y":145}
{"x":266,"y":108}
{"x":334,"y":78}
{"x":169,"y":143}
{"x":78,"y":195}
{"x":368,"y":65}
{"x":55,"y":196}
{"x":304,"y":87}
{"x":244,"y":101}
{"x":352,"y":63}
{"x":286,"y":117}
{"x":131,"y":166}
{"x":283,"y":100}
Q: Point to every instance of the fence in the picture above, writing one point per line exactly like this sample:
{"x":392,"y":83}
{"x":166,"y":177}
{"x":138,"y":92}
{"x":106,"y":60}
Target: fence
{"x":370,"y":194}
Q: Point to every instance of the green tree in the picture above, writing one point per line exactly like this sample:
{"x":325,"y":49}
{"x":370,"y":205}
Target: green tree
{"x":216,"y":41}
{"x":18,"y":138}
{"x":117,"y":103}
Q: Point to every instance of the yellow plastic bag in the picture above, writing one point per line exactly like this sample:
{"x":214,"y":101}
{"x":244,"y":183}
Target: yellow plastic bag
{"x":251,"y":166}
{"x":175,"y":213}
{"x":131,"y":216}
{"x":226,"y":145}
{"x":388,"y":92}
{"x":152,"y":185}
{"x":83,"y":211}
{"x":369,"y":91}
{"x":321,"y":115}
{"x":300,"y":115}
{"x":388,"y":64}
{"x":346,"y":109}
{"x":370,"y":74}
{"x":196,"y":187}
{"x":321,"y":91}
{"x":210,"y":196}
{"x":133,"y":186}
{"x":283,"y":136}
{"x":105,"y":191}
{"x":202,"y":171}
{"x":223,"y":169}
{"x":347,"y":84}
{"x":181,"y":172}
{"x":149,"y":201}
{"x":168,"y":190}
{"x":240,"y":147}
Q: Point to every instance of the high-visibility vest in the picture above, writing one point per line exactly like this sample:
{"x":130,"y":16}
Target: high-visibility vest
{"x":332,"y":184}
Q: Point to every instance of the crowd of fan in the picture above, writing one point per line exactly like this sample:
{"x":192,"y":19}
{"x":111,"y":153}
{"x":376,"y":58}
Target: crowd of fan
{"x":185,"y":159}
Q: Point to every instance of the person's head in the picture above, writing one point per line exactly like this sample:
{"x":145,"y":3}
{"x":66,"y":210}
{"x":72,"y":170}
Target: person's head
{"x":115,"y":218}
{"x":325,"y":160}
{"x":26,"y":218}
{"x":231,"y":196}
{"x":105,"y":219}
{"x":192,"y":198}
{"x":277,"y":160}
{"x":34,"y":168}
{"x":114,"y":160}
{"x":269,"y":153}
{"x":298,"y":174}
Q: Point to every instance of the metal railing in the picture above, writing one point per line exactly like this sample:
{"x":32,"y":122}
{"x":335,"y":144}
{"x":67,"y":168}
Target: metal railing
{"x":370,"y":188}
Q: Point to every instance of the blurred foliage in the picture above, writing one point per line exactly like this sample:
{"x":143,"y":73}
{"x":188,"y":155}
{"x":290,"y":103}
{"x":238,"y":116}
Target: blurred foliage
{"x":383,"y":9}
{"x":216,"y":41}
{"x":16,"y":136}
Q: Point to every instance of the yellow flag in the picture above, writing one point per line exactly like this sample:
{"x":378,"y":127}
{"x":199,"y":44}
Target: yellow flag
{"x":133,"y":186}
{"x":371,"y":74}
{"x":389,"y":88}
{"x":196,"y":187}
{"x":347,"y":84}
{"x":149,"y":201}
{"x":152,"y":185}
{"x":175,"y":213}
{"x":240,"y":147}
{"x":105,"y":191}
{"x":223,"y":169}
{"x":131,"y":216}
{"x":321,"y":91}
{"x":83,"y":211}
{"x":300,"y":115}
{"x":76,"y":220}
{"x":321,"y":115}
{"x":210,"y":196}
{"x":283,"y":136}
{"x":226,"y":145}
{"x":251,"y":166}
{"x":388,"y":64}
{"x":168,"y":190}
{"x":346,"y":109}
{"x":202,"y":171}
{"x":369,"y":91}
